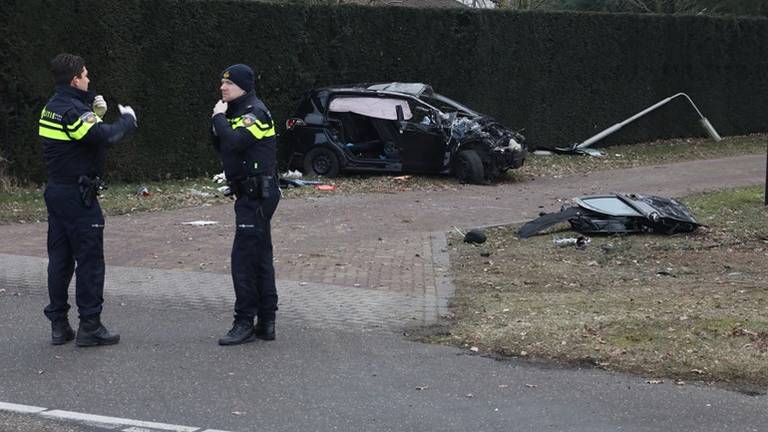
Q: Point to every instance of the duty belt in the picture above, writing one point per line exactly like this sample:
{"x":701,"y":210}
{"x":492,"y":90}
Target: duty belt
{"x":254,"y":186}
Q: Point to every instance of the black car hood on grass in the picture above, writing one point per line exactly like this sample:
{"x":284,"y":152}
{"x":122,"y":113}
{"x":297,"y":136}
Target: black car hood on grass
{"x":618,"y":214}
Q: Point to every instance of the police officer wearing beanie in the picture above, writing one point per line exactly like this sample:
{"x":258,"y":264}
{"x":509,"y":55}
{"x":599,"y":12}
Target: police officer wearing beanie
{"x":75,"y":141}
{"x":244,"y":137}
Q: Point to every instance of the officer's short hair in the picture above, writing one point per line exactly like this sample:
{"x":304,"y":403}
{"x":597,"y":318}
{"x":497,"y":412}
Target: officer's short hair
{"x":65,"y":66}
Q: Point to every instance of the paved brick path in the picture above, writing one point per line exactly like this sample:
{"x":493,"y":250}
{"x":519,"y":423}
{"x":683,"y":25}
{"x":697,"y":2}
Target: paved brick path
{"x":366,"y":261}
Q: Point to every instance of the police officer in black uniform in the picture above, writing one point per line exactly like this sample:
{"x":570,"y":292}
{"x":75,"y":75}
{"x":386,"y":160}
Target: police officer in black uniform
{"x":244,"y":137}
{"x":75,"y":140}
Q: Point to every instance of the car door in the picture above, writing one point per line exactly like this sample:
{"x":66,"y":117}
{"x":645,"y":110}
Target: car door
{"x":422,"y":143}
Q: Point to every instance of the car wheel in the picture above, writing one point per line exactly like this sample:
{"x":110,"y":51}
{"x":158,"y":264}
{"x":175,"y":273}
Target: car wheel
{"x":468,"y":167}
{"x":321,"y":162}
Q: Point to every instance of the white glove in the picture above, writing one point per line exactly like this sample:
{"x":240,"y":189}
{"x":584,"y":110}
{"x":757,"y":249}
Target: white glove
{"x":99,"y":106}
{"x":127,"y":110}
{"x":219,"y":108}
{"x":220,"y":178}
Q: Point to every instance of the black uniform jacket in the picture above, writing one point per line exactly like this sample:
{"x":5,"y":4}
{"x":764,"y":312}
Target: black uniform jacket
{"x":74,"y":138}
{"x":245,"y":138}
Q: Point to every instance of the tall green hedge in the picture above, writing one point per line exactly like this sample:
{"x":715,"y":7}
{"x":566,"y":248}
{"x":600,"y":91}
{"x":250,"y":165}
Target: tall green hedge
{"x":559,"y":76}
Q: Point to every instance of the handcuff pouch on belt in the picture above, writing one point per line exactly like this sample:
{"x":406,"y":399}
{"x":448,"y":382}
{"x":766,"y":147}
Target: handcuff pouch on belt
{"x":90,"y":188}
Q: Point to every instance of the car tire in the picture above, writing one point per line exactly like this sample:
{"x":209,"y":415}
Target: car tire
{"x":468,"y":167}
{"x":321,"y":162}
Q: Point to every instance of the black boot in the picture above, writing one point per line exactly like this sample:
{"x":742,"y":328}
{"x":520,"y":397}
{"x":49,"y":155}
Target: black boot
{"x":265,"y":329}
{"x":92,"y":333}
{"x":61,"y":332}
{"x":241,"y":332}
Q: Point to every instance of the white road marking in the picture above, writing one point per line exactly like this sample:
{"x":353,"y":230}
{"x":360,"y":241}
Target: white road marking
{"x":5,"y":406}
{"x":112,"y":422}
{"x":91,"y":418}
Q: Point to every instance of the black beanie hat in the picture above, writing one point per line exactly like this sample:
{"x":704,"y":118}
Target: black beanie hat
{"x":241,"y":75}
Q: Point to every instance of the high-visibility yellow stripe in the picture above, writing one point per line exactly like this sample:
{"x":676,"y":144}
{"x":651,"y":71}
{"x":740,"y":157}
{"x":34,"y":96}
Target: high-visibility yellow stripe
{"x":257,"y":128}
{"x":52,"y":124}
{"x":240,"y":121}
{"x":263,"y":126}
{"x":74,"y":125}
{"x":76,"y":130}
{"x":53,"y":134}
{"x":260,"y":134}
{"x":80,"y":132}
{"x":80,"y":128}
{"x":235,"y":122}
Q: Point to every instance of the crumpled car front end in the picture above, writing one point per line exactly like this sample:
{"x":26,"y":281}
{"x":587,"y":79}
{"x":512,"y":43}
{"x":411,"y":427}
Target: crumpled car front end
{"x":500,"y":148}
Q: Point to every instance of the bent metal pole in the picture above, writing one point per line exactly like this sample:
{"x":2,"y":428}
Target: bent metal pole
{"x":703,"y":120}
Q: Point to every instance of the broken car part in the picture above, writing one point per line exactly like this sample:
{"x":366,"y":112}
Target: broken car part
{"x":475,"y":236}
{"x":293,"y":182}
{"x":580,"y":242}
{"x":618,"y":214}
{"x":582,"y":148}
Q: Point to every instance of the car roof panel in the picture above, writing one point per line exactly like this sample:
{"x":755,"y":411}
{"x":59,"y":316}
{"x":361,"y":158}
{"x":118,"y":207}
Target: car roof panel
{"x":411,"y":89}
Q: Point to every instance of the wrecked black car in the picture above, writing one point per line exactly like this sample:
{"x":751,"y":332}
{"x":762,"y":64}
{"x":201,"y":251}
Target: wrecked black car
{"x":398,"y":127}
{"x":618,"y":214}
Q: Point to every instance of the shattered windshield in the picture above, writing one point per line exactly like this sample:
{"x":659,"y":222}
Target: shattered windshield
{"x":445,"y":104}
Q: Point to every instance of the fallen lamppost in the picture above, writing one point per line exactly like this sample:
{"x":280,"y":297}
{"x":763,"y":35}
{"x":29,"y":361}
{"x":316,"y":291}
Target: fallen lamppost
{"x":583,"y":147}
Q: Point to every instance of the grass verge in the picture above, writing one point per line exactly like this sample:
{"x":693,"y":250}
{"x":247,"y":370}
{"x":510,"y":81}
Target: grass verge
{"x":684,"y":307}
{"x":24,"y":204}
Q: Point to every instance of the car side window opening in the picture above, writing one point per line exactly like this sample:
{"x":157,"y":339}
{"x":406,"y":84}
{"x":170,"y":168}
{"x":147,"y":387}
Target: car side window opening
{"x":423,"y":116}
{"x":306,"y":106}
{"x":367,"y":126}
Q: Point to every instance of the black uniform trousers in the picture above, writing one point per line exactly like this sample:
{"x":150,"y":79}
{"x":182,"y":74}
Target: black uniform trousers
{"x":75,"y":245}
{"x":253,"y":271}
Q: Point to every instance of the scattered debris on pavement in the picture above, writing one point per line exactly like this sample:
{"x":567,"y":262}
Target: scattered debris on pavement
{"x":200,"y":223}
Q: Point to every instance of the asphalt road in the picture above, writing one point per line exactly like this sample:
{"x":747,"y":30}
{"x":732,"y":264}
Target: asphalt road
{"x":168,"y":369}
